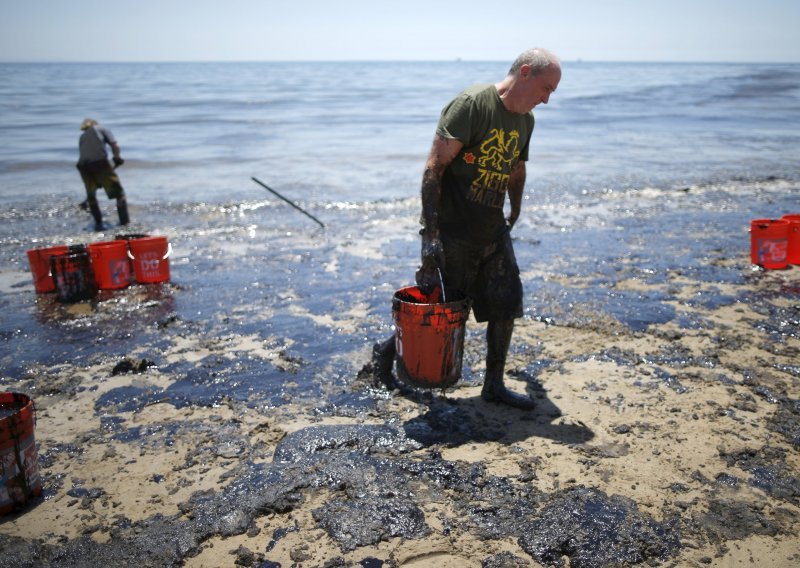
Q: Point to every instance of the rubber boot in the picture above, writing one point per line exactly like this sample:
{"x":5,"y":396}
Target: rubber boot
{"x":122,"y":210}
{"x":382,"y":361}
{"x":94,"y":207}
{"x":498,"y":338}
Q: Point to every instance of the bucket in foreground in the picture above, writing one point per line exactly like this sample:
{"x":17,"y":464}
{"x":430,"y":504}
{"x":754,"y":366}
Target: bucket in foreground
{"x":150,"y":256}
{"x":19,"y":467}
{"x":769,"y":243}
{"x":793,"y":239}
{"x":73,"y":276}
{"x":429,"y":337}
{"x":39,"y":261}
{"x":110,"y":264}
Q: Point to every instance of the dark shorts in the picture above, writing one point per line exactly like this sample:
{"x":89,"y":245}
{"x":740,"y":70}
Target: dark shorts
{"x":100,"y":174}
{"x":488,"y":274}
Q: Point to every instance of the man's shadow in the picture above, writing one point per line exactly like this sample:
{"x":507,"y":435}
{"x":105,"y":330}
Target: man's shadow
{"x":457,"y":421}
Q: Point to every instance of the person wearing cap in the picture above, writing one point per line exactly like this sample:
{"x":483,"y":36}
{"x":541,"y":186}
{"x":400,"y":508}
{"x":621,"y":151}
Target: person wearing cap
{"x":477,"y":159}
{"x":96,"y":171}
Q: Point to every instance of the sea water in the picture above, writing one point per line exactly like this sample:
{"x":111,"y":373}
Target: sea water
{"x":359,"y":132}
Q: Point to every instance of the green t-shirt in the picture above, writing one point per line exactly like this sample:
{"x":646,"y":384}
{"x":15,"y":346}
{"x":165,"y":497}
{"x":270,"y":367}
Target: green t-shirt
{"x":474,"y":185}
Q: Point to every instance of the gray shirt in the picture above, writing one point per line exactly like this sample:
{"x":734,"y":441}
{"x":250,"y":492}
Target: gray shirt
{"x":92,"y":144}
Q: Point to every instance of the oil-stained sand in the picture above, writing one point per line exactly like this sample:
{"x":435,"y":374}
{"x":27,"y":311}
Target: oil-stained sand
{"x":232,"y":419}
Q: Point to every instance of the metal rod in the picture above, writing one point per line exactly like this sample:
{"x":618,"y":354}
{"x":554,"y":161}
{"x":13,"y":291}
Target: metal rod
{"x":303,"y":211}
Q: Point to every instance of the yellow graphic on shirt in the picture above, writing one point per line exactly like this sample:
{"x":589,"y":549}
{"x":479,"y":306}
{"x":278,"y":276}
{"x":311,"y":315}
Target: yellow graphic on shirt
{"x":498,"y":153}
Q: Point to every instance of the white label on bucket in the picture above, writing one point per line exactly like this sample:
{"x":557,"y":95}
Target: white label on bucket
{"x":149,"y":263}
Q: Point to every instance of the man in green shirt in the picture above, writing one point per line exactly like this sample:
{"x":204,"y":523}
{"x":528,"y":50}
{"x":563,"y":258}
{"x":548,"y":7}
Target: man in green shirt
{"x":478,"y":157}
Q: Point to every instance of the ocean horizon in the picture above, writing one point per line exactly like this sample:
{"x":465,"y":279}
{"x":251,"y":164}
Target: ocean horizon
{"x":450,"y":60}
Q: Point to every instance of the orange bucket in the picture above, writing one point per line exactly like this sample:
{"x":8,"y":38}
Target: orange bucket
{"x":112,"y":269}
{"x":429,"y":337}
{"x":39,"y":261}
{"x":793,"y":241}
{"x":150,"y":256}
{"x":19,"y":467}
{"x":769,"y":243}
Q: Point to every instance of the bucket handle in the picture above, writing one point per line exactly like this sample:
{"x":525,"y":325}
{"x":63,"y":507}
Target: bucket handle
{"x":169,"y":252}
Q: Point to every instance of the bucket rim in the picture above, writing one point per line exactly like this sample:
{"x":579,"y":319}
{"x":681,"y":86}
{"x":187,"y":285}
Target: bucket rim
{"x":115,"y":242}
{"x":461,"y":297}
{"x":24,"y":405}
{"x":130,"y":237}
{"x":69,"y":254}
{"x":8,"y":396}
{"x":143,"y":240}
{"x":45,"y":249}
{"x":780,"y":221}
{"x":147,"y":247}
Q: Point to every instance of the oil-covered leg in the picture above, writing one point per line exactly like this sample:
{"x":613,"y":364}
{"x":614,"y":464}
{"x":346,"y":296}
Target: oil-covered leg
{"x":122,"y":211}
{"x":383,"y":355}
{"x":498,"y":339}
{"x":94,"y":207}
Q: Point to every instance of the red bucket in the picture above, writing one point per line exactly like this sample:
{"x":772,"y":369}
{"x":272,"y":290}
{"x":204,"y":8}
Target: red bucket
{"x":39,"y":261}
{"x":150,"y":256}
{"x":793,"y":241}
{"x":769,"y":243}
{"x":19,"y":467}
{"x":429,"y":337}
{"x":110,"y":263}
{"x":72,"y":273}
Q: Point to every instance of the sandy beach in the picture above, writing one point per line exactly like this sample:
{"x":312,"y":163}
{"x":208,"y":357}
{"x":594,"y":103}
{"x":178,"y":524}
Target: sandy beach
{"x":671,"y":442}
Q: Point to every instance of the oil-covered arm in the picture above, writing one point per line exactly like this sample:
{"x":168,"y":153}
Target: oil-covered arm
{"x":443,"y":152}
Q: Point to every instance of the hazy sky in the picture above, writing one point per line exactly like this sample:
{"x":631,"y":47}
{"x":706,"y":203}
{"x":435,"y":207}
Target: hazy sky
{"x":245,"y":30}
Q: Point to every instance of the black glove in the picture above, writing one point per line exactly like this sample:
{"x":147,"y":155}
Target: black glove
{"x":433,"y":251}
{"x":118,"y":161}
{"x":429,"y":274}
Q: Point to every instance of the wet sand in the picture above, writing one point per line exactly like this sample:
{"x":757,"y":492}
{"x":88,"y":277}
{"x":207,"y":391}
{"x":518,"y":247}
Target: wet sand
{"x":233,"y":419}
